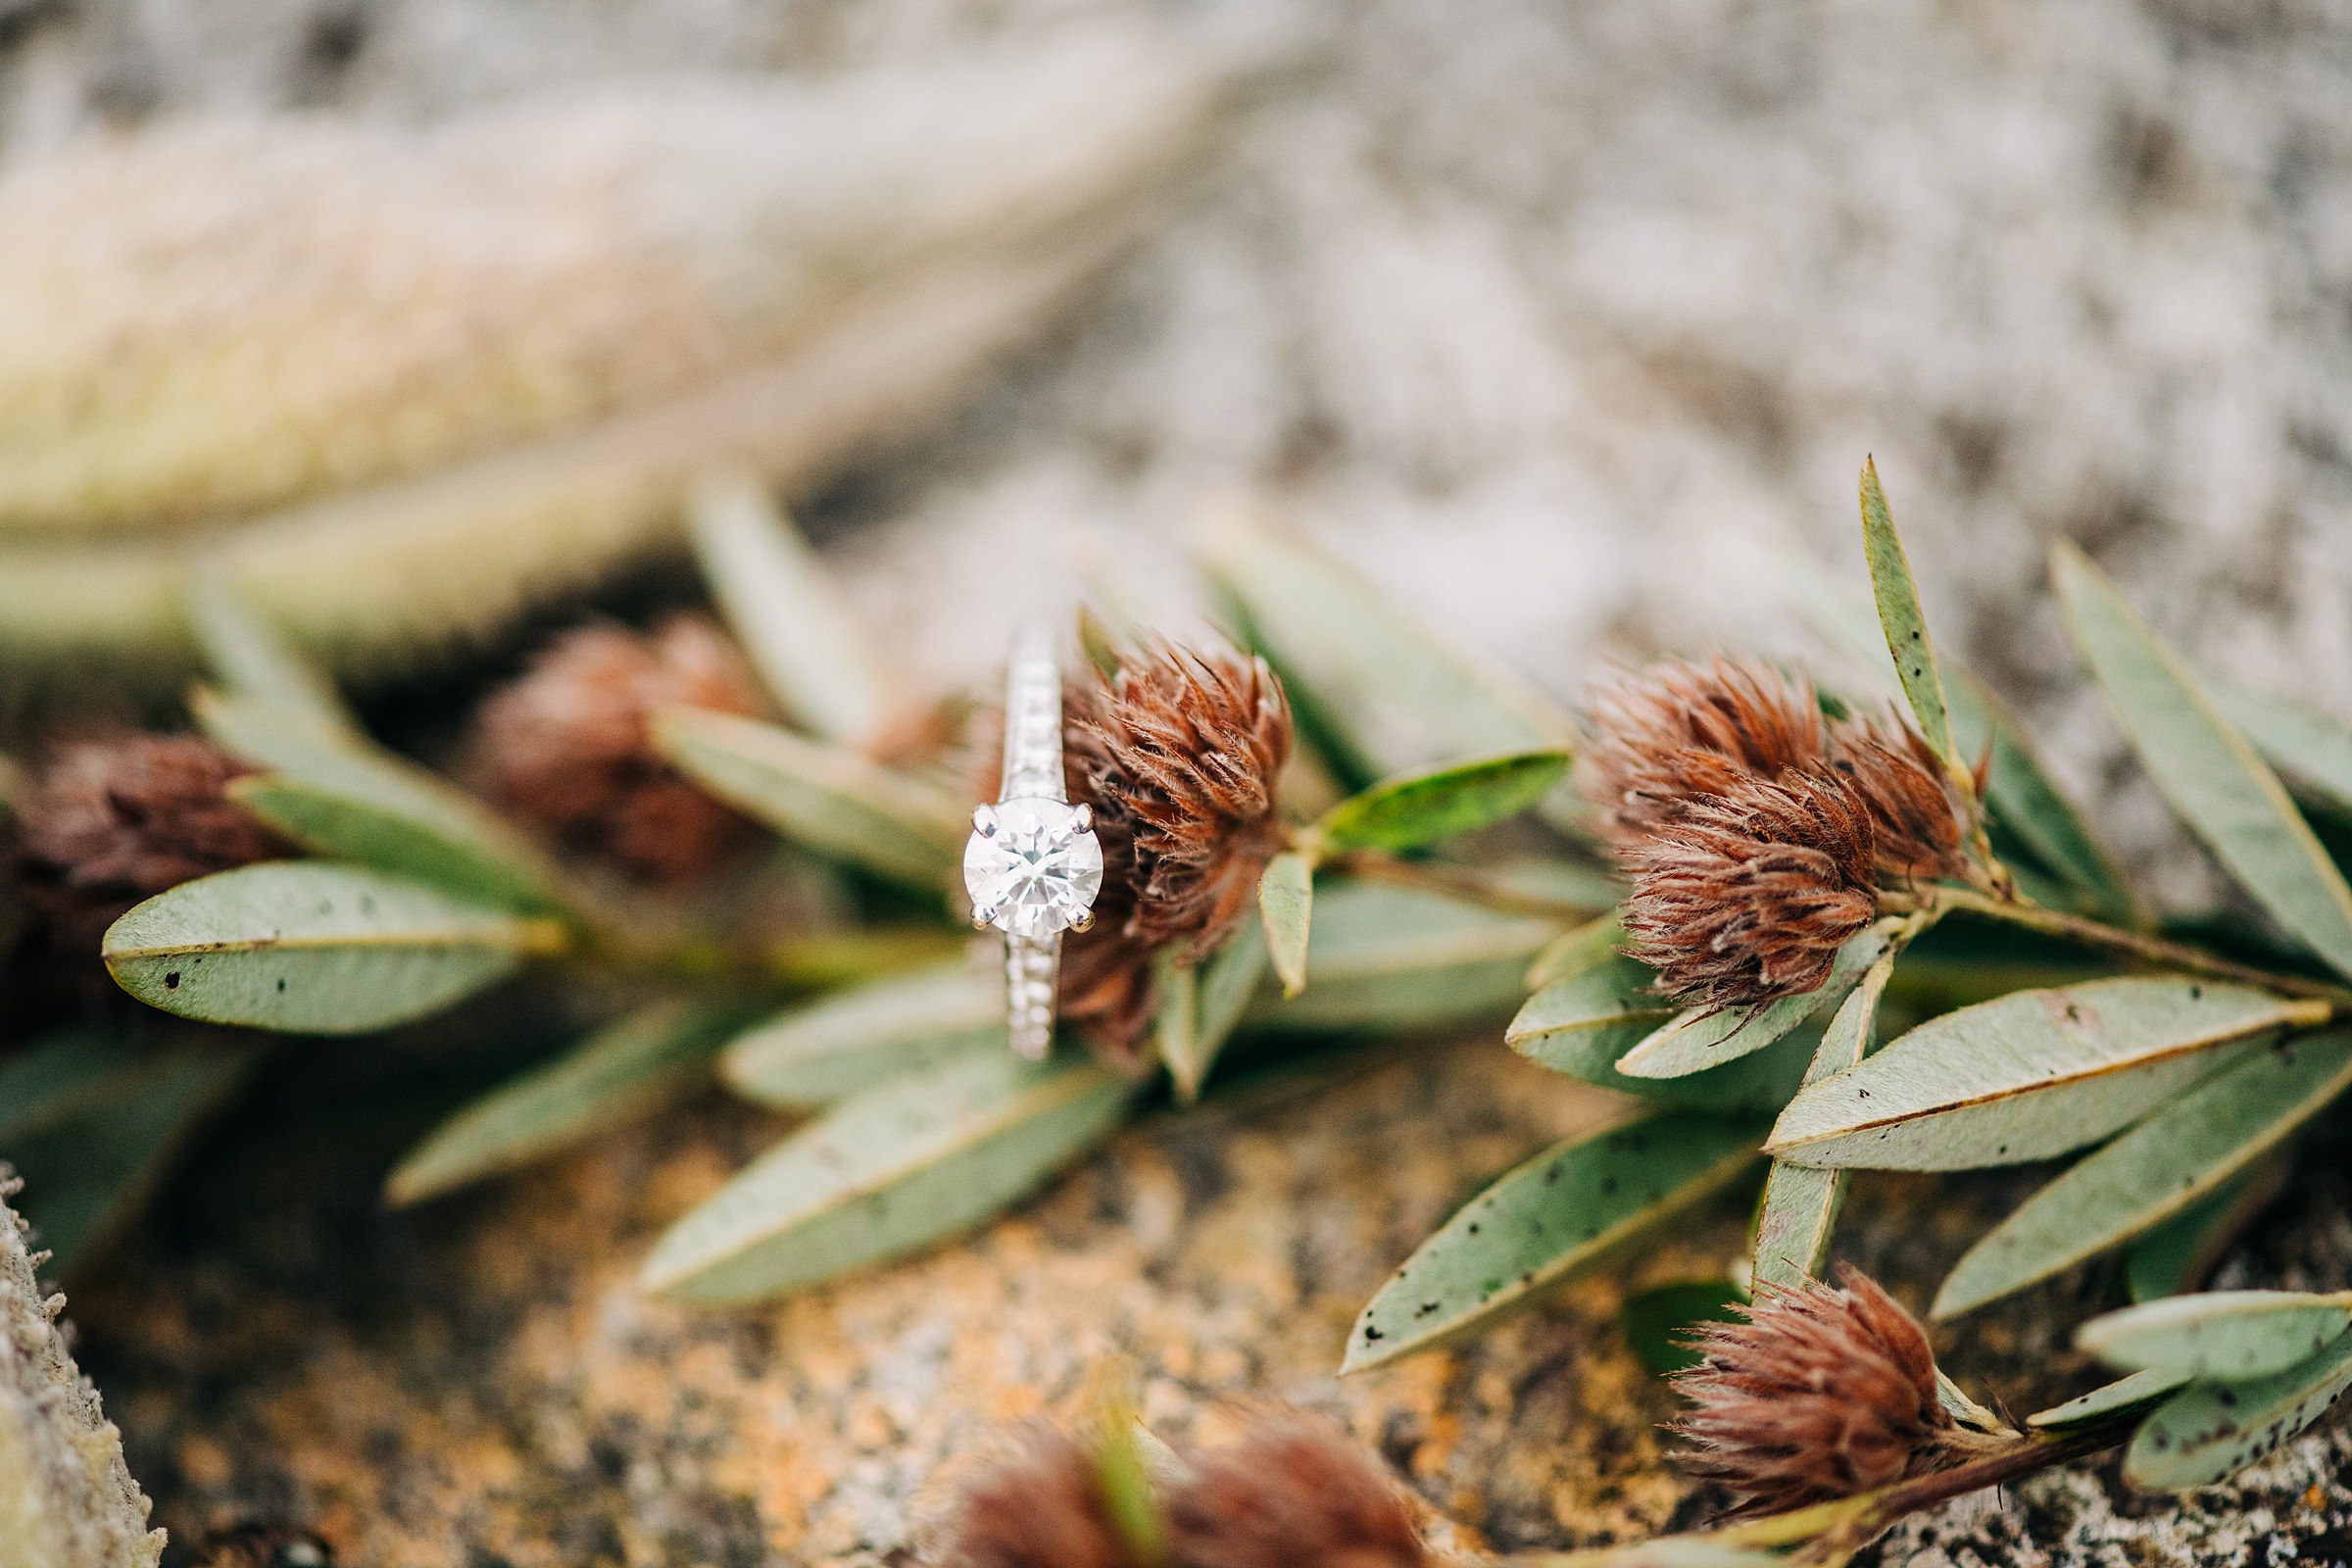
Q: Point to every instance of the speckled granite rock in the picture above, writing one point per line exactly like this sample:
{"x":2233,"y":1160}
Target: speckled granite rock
{"x":482,"y":1382}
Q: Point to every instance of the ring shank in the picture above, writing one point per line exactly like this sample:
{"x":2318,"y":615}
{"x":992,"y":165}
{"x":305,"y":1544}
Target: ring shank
{"x":1032,"y":771}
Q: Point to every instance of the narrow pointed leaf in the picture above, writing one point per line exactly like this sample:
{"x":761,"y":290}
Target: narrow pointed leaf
{"x":831,"y":799}
{"x":2209,"y":775}
{"x":1286,"y":904}
{"x":630,"y":1067}
{"x":1396,"y":958}
{"x":1215,"y":995}
{"x":254,"y":660}
{"x":1899,"y":616}
{"x":854,"y":1040}
{"x":2174,"y":1256}
{"x":2307,"y":744}
{"x":1581,"y":1025}
{"x":786,"y":611}
{"x":2141,"y":1391}
{"x":1440,"y":802}
{"x":2208,"y":1432}
{"x":2226,"y":1336}
{"x":1695,"y":1039}
{"x":2028,"y":1077}
{"x":1544,"y":1222}
{"x":897,"y":1169}
{"x":1802,"y":1201}
{"x":62,"y":1076}
{"x":315,"y":949}
{"x":2157,"y":1169}
{"x":339,"y":795}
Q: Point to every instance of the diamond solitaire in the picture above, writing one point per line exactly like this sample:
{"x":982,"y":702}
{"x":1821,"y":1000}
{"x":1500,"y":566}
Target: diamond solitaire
{"x":1033,"y":864}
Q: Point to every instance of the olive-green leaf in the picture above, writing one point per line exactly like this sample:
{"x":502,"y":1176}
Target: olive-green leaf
{"x":2208,"y":1432}
{"x":2311,"y":746}
{"x":2209,"y":775}
{"x":1582,"y":1024}
{"x":2176,"y":1253}
{"x":628,"y":1068}
{"x":2226,"y":1336}
{"x":2110,"y":1402}
{"x":1899,"y":616}
{"x":1542,"y":1223}
{"x":253,"y":658}
{"x":2160,"y":1167}
{"x":1440,"y":802}
{"x":338,"y":795}
{"x":832,"y":800}
{"x":1286,"y":905}
{"x":919,"y":1160}
{"x":1695,"y":1039}
{"x":89,"y":1174}
{"x":63,"y":1075}
{"x":1201,"y":1006}
{"x":311,"y":948}
{"x":1802,"y":1201}
{"x":1403,"y":698}
{"x":786,"y":609}
{"x":844,"y":1044}
{"x":1396,"y":958}
{"x":2030,"y":1076}
{"x":1574,"y":952}
{"x":1658,"y":1322}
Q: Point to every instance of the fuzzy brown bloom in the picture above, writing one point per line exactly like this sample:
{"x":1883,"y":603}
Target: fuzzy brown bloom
{"x":1821,"y":1394}
{"x":1295,"y":1493}
{"x":118,"y":819}
{"x":1179,"y":755}
{"x":1912,"y":807}
{"x":1748,"y":895}
{"x":567,"y":746}
{"x":1042,"y":1508}
{"x":1682,"y":731}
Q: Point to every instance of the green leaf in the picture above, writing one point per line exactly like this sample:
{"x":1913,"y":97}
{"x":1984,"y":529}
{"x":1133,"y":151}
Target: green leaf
{"x":2175,"y":1254}
{"x":1695,"y":1039}
{"x":1800,"y":1202}
{"x":2030,"y":1076}
{"x":2141,"y":1391}
{"x":2225,"y":1336}
{"x":1658,"y":1321}
{"x":1286,"y":904}
{"x":1575,"y":952}
{"x":1201,"y":1006}
{"x":339,"y":795}
{"x":315,"y":949}
{"x":625,"y":1070}
{"x":62,"y":1076}
{"x":854,"y":1040}
{"x":1396,"y":958}
{"x":1402,"y":698}
{"x":1907,"y":628}
{"x":2209,"y":775}
{"x":2158,"y":1168}
{"x":1582,"y":1024}
{"x":1440,"y":802}
{"x":2308,"y":744}
{"x":2208,"y":1432}
{"x":786,"y":611}
{"x":833,"y":801}
{"x":253,"y":658}
{"x":919,"y":1160}
{"x":89,"y":1174}
{"x":1544,"y":1222}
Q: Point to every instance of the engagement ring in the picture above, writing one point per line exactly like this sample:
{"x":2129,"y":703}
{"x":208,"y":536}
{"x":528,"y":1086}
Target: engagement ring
{"x":1033,"y":864}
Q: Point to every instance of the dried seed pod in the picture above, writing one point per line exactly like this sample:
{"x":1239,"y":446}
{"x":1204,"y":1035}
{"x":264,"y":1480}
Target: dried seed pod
{"x":568,"y":747}
{"x":1820,"y":1394}
{"x":118,"y":819}
{"x":1682,"y":731}
{"x":1747,"y":895}
{"x":1294,"y":1492}
{"x":1042,"y":1506}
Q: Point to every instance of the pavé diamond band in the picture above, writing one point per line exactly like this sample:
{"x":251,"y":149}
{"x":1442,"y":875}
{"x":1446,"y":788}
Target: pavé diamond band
{"x":1033,"y":864}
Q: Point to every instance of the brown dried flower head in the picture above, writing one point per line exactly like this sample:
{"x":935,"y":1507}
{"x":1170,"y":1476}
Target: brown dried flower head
{"x":1682,"y":731}
{"x":1912,"y":807}
{"x":1747,"y":896}
{"x":118,"y":819}
{"x":1179,"y":755}
{"x":1044,"y":1506}
{"x":1294,"y":1492}
{"x":1820,"y":1394}
{"x":567,"y":746}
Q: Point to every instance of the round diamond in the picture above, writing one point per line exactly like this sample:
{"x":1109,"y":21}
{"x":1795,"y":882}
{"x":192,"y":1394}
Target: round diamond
{"x":1032,"y":870}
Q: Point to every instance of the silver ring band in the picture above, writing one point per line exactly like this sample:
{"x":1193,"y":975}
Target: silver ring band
{"x":1032,"y":769}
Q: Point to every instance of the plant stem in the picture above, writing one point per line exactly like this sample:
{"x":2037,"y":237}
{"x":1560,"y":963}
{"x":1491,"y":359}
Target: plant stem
{"x":2134,"y":945}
